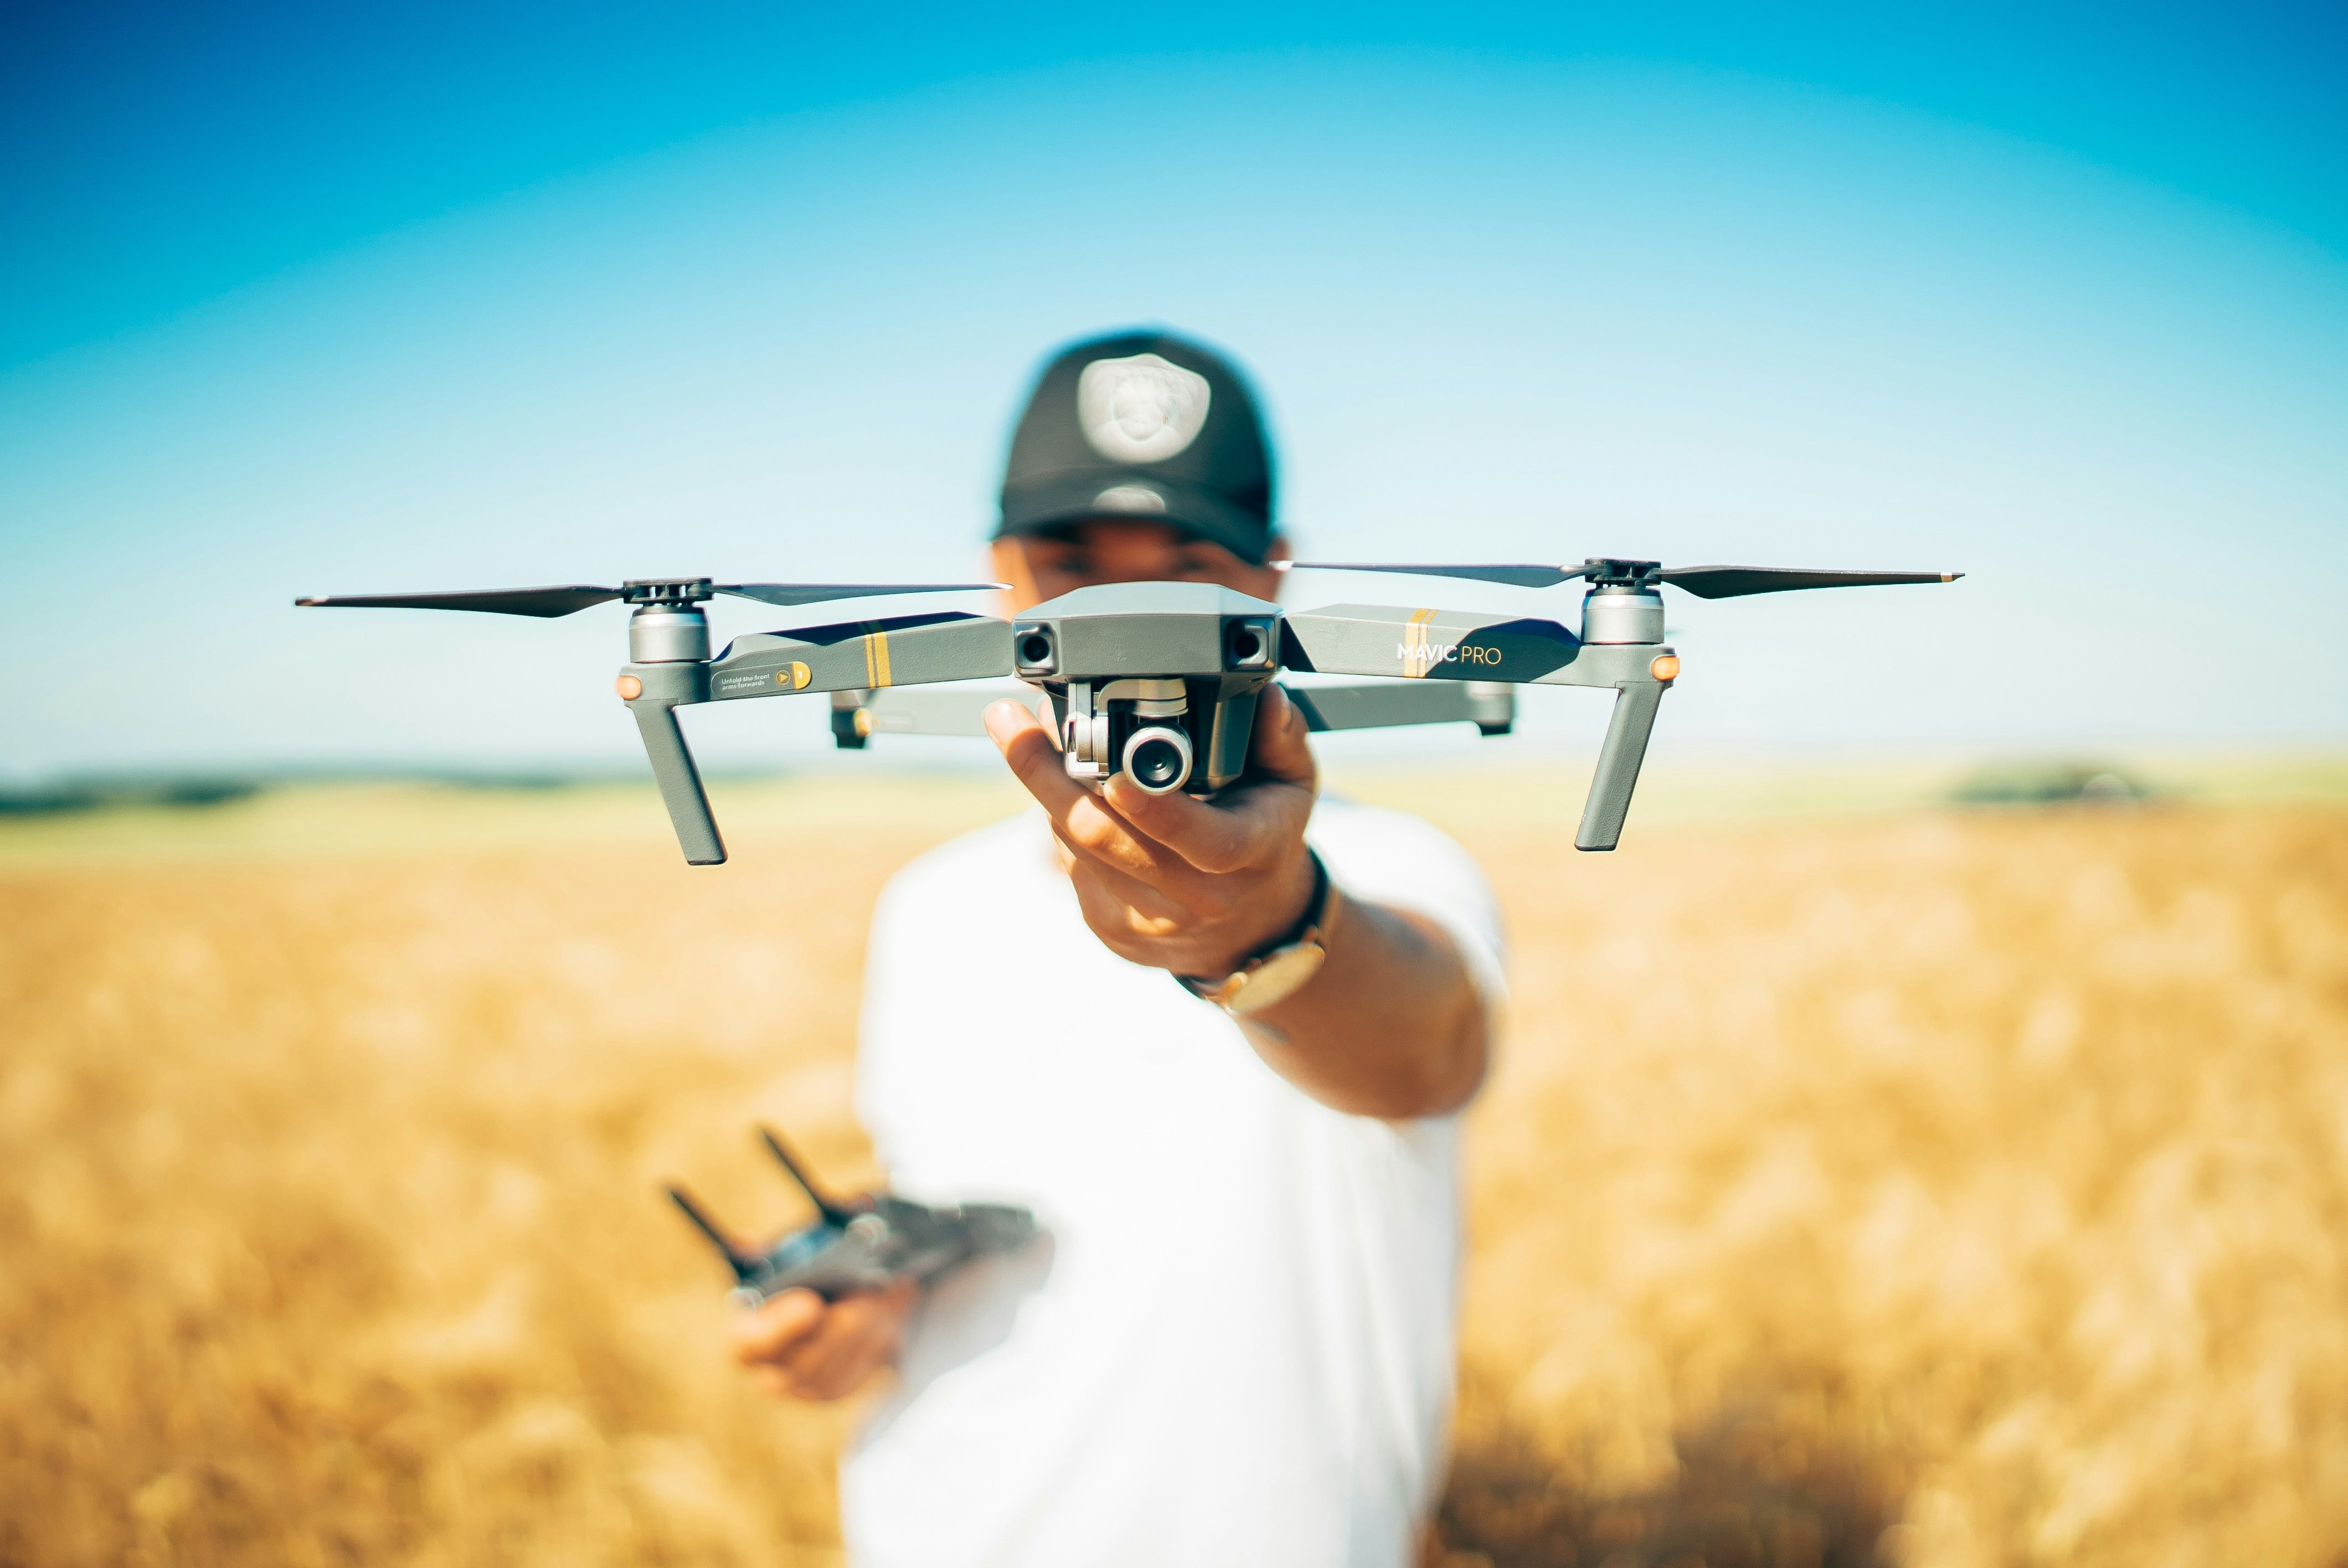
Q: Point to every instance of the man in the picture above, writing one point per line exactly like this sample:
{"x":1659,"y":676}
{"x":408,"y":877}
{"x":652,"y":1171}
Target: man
{"x":1234,"y":1345}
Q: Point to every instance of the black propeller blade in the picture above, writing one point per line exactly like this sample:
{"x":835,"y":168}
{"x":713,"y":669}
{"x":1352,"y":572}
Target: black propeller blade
{"x":1514,"y":576}
{"x":546,"y":602}
{"x":820,"y":592}
{"x":1703,"y":581}
{"x":549,"y":602}
{"x":1731,"y":581}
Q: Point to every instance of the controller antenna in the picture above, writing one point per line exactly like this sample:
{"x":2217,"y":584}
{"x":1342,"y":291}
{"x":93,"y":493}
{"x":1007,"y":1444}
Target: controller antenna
{"x":833,"y":1212}
{"x":746,"y":1263}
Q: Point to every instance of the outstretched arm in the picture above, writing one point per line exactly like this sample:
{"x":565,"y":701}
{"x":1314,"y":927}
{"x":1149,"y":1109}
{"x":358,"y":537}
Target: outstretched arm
{"x":1391,"y":1025}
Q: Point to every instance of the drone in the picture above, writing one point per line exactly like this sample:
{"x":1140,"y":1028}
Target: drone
{"x":1159,"y":681}
{"x":865,"y":1242}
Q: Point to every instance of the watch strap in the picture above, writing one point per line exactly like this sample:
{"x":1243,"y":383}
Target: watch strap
{"x":1308,"y":925}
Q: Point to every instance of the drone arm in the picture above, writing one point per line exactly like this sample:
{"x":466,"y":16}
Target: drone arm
{"x":932,"y":710}
{"x":1455,"y":645}
{"x":863,"y":655}
{"x":1425,"y":644}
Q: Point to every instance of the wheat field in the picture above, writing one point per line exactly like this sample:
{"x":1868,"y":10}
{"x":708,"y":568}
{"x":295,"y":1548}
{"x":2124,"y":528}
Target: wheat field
{"x":1907,"y":1187}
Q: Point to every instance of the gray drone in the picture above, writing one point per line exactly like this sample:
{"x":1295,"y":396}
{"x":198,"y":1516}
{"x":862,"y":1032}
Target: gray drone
{"x":1155,"y":680}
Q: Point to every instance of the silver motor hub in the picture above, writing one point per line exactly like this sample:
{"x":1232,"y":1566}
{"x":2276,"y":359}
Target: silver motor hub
{"x":1616,"y":614}
{"x":668,"y":634}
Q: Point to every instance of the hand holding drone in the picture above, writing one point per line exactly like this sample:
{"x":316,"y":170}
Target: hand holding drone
{"x":865,"y":1242}
{"x":1157,"y":680}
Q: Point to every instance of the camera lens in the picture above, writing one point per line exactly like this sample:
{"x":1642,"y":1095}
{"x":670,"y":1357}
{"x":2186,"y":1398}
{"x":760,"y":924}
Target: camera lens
{"x":1247,"y":645}
{"x":1158,"y":759}
{"x":1035,"y":648}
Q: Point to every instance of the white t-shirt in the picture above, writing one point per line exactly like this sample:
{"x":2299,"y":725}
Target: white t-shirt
{"x":1234,"y":1345}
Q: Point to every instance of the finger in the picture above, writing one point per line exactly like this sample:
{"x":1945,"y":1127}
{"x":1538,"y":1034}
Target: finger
{"x":1258,"y":823}
{"x":1083,"y":823}
{"x":1042,"y":709}
{"x":1035,"y":763}
{"x":1172,"y":891}
{"x":861,"y":1334}
{"x":1281,"y":747}
{"x":1096,"y":829}
{"x":1255,"y":825}
{"x":1122,"y":929}
{"x":839,"y":1378}
{"x":818,"y":1366}
{"x":1035,"y":759}
{"x":767,"y":1332}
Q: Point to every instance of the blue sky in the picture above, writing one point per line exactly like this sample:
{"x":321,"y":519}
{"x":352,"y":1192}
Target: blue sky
{"x":473,"y":297}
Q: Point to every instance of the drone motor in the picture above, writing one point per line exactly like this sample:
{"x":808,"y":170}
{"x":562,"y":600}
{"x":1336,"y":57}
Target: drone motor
{"x":1619,"y":613}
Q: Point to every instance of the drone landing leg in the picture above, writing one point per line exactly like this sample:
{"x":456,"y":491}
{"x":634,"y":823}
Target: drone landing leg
{"x":1619,"y":758}
{"x":680,"y":783}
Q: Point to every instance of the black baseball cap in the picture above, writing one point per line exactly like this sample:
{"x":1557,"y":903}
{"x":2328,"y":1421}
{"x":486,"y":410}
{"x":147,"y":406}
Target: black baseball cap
{"x":1142,"y":427}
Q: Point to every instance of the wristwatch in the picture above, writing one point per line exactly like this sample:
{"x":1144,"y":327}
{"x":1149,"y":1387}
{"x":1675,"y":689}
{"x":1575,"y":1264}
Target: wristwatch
{"x":1278,"y":970}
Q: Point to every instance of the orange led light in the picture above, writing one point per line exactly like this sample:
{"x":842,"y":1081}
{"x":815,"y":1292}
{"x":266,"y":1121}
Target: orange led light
{"x":1665,"y":667}
{"x":631,"y":688}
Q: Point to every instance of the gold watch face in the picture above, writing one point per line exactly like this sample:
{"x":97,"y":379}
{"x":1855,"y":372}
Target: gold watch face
{"x":1277,"y":979}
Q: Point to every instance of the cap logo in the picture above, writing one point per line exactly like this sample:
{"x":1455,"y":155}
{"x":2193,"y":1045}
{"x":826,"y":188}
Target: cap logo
{"x":1143,"y":409}
{"x":1130,"y":498}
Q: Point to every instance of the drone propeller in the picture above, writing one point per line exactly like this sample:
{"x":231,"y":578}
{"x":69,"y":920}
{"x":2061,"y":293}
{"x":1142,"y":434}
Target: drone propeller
{"x":788,"y":593}
{"x":1514,"y":576}
{"x":549,"y":602}
{"x":1734,"y":581}
{"x":1703,"y":581}
{"x":546,"y":602}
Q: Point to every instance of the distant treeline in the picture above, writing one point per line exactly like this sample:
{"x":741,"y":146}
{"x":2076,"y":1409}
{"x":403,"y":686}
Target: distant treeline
{"x":2049,"y":784}
{"x":195,"y":791}
{"x":93,"y":796}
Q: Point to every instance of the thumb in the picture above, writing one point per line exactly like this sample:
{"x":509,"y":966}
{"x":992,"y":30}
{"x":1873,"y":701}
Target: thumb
{"x":766,"y":1332}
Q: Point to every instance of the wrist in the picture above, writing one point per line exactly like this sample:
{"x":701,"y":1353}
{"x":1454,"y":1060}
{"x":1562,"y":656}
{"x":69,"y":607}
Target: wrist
{"x":1269,"y":973}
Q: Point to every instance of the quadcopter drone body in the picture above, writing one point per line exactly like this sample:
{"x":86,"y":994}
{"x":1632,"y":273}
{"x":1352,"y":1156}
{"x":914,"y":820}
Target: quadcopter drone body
{"x":865,"y":1242}
{"x":1160,"y":679}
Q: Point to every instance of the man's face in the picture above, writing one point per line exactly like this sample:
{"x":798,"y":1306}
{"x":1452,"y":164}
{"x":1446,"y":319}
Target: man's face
{"x":1040,"y":567}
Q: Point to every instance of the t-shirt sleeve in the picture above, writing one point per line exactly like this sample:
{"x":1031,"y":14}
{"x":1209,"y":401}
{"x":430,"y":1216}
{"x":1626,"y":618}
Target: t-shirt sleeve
{"x":1392,"y":858}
